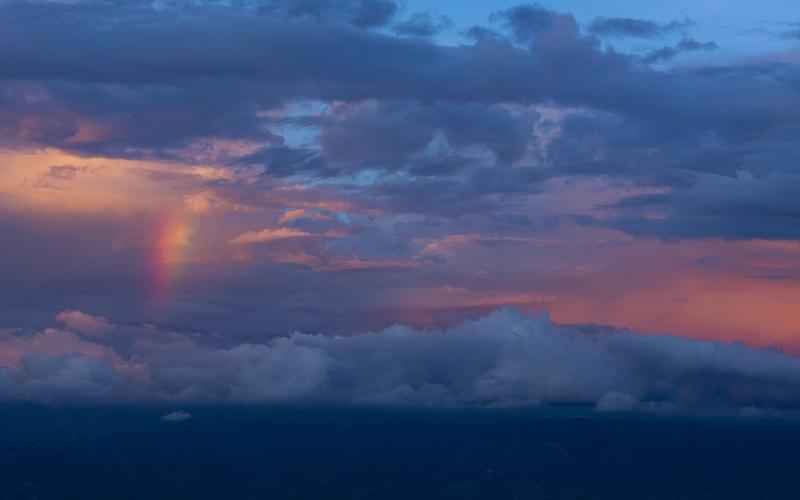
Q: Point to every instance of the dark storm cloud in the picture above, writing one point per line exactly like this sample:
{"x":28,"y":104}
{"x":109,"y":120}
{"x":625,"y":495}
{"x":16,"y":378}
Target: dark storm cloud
{"x":130,"y":121}
{"x":117,"y":45}
{"x":636,"y":28}
{"x":323,"y":60}
{"x":95,"y":84}
{"x":244,"y":63}
{"x":294,"y":59}
{"x":121,"y":80}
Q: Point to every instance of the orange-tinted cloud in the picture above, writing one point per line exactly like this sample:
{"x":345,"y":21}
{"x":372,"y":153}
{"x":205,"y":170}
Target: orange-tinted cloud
{"x":84,"y":323}
{"x":269,"y":235}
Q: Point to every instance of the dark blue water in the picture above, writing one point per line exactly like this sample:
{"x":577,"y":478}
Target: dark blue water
{"x":315,"y":453}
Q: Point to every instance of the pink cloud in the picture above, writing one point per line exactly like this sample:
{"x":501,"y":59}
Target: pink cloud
{"x":84,"y":323}
{"x":268,"y":236}
{"x":52,"y":342}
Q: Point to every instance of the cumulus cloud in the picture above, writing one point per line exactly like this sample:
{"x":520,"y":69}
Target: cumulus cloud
{"x":506,"y":358}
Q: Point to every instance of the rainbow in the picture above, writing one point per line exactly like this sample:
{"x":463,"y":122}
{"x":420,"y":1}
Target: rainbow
{"x":171,"y":242}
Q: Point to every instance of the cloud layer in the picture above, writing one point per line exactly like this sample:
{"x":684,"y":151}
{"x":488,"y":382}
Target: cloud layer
{"x":506,"y":358}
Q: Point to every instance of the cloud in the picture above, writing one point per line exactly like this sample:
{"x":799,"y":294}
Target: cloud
{"x":423,"y":24}
{"x":176,"y":417}
{"x":528,"y":22}
{"x":360,"y":13}
{"x":732,"y":208}
{"x":636,"y":28}
{"x":506,"y":358}
{"x":84,"y":323}
{"x":395,"y":134}
{"x":236,"y":80}
{"x":305,"y":214}
{"x":665,"y":54}
{"x":793,"y":34}
{"x":447,"y":139}
{"x":71,"y":377}
{"x":269,"y":236}
{"x":65,"y":172}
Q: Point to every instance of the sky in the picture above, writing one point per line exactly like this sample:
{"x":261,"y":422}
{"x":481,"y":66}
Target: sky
{"x":389,"y":202}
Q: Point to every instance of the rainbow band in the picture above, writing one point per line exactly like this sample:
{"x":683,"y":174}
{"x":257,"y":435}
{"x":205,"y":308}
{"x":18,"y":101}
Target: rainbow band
{"x":172,"y":239}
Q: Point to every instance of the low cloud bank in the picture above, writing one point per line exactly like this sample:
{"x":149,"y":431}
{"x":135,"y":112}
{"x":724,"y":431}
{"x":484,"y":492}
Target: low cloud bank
{"x":506,"y":358}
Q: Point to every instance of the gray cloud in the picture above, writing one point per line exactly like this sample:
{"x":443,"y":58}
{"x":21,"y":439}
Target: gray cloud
{"x":449,"y":130}
{"x":391,"y":133}
{"x":665,"y":54}
{"x":360,"y":13}
{"x":722,"y":207}
{"x":503,"y":359}
{"x":528,"y":22}
{"x":70,"y":377}
{"x":423,"y":24}
{"x":636,"y":28}
{"x":246,"y":64}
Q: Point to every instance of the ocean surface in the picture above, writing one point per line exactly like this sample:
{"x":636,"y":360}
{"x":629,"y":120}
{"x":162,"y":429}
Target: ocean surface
{"x":238,"y":452}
